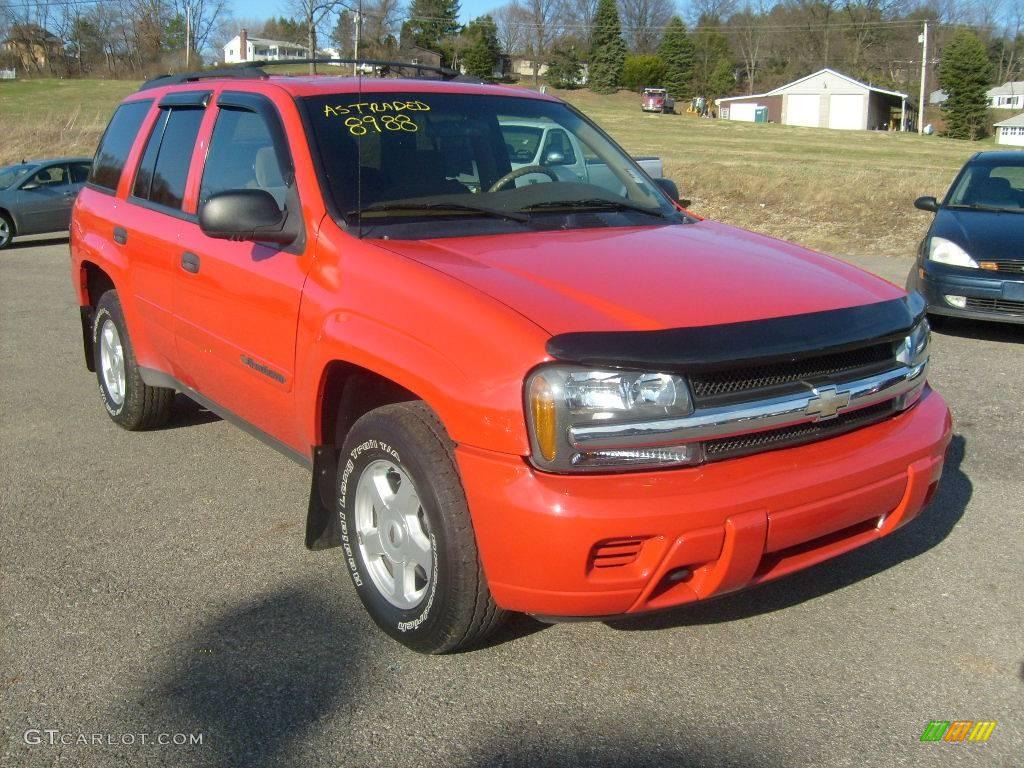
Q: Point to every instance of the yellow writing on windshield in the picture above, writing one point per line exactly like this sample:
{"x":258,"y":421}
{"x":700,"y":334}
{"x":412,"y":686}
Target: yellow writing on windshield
{"x":360,"y":126}
{"x":374,"y":107}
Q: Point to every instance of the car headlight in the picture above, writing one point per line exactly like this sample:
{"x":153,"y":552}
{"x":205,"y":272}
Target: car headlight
{"x":561,"y":396}
{"x":947,"y":252}
{"x":913,"y":350}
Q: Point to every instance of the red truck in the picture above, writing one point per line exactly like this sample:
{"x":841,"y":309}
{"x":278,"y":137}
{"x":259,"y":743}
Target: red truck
{"x":516,"y":391}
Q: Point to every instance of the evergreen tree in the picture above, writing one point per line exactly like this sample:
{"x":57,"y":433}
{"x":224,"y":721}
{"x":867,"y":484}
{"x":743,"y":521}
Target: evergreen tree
{"x":710,"y":47}
{"x":608,"y":49}
{"x":723,"y":79}
{"x":430,"y":22}
{"x":643,"y":71}
{"x":482,"y":52}
{"x":676,"y":50}
{"x":964,"y":73}
{"x":564,"y":67}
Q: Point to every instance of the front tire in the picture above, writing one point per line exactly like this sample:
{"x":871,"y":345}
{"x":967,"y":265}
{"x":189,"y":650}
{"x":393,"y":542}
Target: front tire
{"x":6,"y":231}
{"x":129,"y":401}
{"x":407,"y":536}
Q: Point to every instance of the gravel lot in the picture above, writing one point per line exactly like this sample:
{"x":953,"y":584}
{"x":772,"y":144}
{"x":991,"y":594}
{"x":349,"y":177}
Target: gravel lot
{"x":156,"y":584}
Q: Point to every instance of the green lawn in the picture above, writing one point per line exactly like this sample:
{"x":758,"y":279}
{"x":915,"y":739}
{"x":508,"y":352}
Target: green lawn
{"x":846,"y":192}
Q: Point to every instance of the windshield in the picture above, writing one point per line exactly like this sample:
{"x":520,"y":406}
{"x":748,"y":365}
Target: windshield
{"x":989,"y":186}
{"x":424,"y":165}
{"x":12,"y":174}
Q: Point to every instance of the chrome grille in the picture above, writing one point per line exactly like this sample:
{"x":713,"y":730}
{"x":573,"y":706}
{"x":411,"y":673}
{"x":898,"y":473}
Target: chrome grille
{"x":730,"y":447}
{"x":741,"y":383}
{"x":996,"y":305}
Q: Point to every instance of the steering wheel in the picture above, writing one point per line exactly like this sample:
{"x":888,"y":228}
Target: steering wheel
{"x":526,"y":170}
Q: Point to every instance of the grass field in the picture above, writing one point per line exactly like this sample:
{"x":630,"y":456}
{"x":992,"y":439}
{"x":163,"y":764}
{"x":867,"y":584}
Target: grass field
{"x":845,"y":192}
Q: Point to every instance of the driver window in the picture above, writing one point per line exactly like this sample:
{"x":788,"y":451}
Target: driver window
{"x":53,"y":176}
{"x":242,"y":155}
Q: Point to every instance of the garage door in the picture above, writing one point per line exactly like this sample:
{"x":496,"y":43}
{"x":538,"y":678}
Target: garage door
{"x":803,"y":109}
{"x":846,"y":112}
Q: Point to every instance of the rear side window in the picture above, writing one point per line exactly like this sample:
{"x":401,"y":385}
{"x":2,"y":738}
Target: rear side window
{"x":116,"y":143}
{"x":164,"y":168}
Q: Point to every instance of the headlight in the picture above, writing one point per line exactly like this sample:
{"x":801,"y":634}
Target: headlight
{"x":913,"y":350}
{"x":561,"y":396}
{"x":947,"y":252}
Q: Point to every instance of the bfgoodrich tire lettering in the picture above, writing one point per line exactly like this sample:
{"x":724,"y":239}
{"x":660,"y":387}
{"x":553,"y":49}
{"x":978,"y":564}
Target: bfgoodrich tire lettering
{"x":130,"y":403}
{"x":421,"y":533}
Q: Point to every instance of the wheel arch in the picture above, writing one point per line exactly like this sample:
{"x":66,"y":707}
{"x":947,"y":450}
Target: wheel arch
{"x":346,"y":392}
{"x":93,"y":282}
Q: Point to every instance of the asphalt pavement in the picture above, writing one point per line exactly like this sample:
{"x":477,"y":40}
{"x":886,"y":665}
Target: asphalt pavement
{"x":155,"y":588}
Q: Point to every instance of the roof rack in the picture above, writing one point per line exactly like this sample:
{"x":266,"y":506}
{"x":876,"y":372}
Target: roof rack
{"x":247,"y":72}
{"x":252,"y":70}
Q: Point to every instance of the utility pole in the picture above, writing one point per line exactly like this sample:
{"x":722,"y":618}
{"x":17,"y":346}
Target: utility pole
{"x":923,"y":39}
{"x":188,"y":33}
{"x":355,"y":51}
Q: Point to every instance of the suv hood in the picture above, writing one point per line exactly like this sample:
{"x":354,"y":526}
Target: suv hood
{"x":648,"y":278}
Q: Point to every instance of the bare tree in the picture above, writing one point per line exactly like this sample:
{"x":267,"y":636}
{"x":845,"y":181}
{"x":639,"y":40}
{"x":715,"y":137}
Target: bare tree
{"x":643,"y":21}
{"x":539,"y":21}
{"x":509,"y":19}
{"x":207,"y":20}
{"x":382,"y":22}
{"x":313,"y":14}
{"x":749,"y":38}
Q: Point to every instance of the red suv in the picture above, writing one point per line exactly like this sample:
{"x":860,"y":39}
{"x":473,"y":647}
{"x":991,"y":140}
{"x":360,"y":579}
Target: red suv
{"x":519,"y":388}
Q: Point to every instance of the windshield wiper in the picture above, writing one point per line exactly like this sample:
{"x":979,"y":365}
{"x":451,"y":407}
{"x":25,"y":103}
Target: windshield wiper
{"x":594,"y":204}
{"x":982,"y":207}
{"x":457,"y":208}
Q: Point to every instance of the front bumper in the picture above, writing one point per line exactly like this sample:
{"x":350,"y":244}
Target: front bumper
{"x":574,"y":546}
{"x":994,"y":296}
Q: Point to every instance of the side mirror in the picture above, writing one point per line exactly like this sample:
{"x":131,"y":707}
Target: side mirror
{"x":554,"y":158}
{"x":669,"y":188}
{"x":244,"y":214}
{"x":28,"y":186}
{"x":927,"y":204}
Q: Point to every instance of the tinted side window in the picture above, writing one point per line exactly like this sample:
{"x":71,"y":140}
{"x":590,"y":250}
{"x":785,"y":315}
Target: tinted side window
{"x":242,"y":155}
{"x":163,"y":170}
{"x":117,"y":143}
{"x":51,"y":176}
{"x":80,"y":172}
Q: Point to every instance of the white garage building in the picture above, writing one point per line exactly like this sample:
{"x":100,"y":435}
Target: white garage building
{"x":1011,"y":131}
{"x":827,"y":99}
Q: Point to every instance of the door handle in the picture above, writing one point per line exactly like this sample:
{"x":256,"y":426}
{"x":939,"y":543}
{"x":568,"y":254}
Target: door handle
{"x":120,"y":235}
{"x":190,"y":262}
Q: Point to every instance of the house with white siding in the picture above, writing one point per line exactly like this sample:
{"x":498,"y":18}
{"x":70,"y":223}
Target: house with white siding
{"x":1011,"y":131}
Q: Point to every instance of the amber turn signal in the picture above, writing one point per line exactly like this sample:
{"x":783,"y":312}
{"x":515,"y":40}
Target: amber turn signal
{"x":989,"y":265}
{"x":545,"y":418}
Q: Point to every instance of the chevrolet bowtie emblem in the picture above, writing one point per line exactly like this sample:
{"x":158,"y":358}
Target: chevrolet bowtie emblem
{"x":827,"y":403}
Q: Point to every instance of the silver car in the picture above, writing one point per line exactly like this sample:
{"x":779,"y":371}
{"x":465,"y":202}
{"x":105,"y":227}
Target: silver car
{"x":36,"y":196}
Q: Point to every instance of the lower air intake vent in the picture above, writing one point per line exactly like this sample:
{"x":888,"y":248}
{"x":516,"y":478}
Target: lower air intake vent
{"x":615,"y":553}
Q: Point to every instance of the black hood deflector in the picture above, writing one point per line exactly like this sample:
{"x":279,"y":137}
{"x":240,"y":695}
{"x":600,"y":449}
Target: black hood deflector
{"x":752,"y":342}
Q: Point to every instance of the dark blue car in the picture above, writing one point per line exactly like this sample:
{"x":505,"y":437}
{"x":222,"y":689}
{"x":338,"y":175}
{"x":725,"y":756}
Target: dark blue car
{"x":971,"y":262}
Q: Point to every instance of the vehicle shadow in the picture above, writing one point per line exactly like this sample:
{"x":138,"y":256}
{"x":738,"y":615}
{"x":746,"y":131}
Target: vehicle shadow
{"x":973,"y":329}
{"x":262,"y":675}
{"x":920,"y":535}
{"x":186,"y":412}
